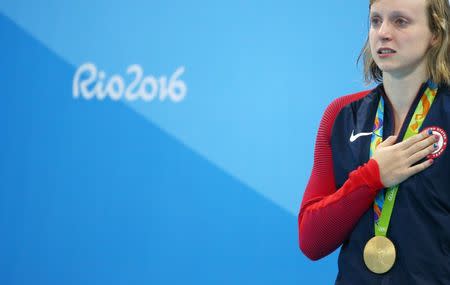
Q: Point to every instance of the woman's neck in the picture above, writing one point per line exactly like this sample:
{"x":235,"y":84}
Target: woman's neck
{"x":401,"y":93}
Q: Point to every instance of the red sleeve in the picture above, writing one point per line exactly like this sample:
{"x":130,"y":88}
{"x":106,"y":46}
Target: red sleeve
{"x":327,"y":215}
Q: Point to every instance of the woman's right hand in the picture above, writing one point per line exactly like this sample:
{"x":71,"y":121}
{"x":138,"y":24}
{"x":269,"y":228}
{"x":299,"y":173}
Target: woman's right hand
{"x":396,"y":161}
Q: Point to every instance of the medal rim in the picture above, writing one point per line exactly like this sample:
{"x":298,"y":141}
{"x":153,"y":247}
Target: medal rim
{"x":366,"y":257}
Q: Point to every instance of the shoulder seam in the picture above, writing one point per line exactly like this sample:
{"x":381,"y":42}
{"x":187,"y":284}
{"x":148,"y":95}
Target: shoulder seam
{"x":335,"y":107}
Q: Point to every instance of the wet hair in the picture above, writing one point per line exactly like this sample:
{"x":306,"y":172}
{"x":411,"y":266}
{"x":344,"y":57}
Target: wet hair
{"x":437,"y":57}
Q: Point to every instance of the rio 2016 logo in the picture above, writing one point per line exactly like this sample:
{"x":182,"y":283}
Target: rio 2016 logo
{"x":89,"y":83}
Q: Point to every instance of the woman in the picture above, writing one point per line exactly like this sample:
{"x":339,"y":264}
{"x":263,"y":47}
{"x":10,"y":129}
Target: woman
{"x":380,"y":184}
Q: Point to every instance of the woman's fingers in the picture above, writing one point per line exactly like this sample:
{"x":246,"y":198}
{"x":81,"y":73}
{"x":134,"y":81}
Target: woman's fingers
{"x":420,"y":145}
{"x":397,"y":161}
{"x":419,"y":167}
{"x":414,"y":139}
{"x":415,"y":157}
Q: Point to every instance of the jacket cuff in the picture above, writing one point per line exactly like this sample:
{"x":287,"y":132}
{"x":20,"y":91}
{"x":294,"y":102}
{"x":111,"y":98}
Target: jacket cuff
{"x":370,"y":173}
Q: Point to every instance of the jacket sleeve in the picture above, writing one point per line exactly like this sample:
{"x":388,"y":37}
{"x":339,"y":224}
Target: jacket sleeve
{"x":328,"y":215}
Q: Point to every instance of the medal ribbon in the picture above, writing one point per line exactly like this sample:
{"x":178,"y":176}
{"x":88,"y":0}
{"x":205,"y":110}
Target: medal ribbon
{"x":384,"y":201}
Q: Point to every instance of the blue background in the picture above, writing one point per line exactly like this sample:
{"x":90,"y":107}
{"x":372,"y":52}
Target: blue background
{"x":204,"y":191}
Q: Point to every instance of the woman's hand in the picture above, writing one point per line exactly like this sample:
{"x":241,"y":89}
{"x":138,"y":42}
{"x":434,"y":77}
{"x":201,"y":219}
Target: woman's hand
{"x":396,"y":161}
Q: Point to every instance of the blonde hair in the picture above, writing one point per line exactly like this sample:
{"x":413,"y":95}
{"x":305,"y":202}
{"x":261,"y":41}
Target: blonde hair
{"x":437,"y":57}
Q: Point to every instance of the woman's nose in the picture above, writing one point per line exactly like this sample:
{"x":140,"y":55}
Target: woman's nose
{"x":384,"y":32}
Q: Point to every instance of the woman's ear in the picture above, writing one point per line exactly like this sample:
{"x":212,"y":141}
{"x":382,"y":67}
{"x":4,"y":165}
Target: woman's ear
{"x":434,"y":40}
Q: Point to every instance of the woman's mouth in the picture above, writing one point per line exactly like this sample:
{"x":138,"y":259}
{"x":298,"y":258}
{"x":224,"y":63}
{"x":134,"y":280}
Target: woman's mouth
{"x":385,"y":52}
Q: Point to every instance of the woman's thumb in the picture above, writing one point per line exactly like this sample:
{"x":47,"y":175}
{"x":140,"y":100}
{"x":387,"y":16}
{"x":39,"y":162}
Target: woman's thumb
{"x":389,"y":141}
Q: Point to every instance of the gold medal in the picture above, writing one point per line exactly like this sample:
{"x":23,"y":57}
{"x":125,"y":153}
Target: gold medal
{"x":379,"y":254}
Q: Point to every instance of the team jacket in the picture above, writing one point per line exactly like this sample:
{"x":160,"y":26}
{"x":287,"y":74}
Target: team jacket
{"x":337,"y":205}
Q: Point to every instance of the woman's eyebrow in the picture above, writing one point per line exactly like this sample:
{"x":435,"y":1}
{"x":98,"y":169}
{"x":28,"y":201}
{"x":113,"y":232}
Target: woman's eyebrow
{"x":374,"y":14}
{"x":392,"y":14}
{"x":398,"y":14}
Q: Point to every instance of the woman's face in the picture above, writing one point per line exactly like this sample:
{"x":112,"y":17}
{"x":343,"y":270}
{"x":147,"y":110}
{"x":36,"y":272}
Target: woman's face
{"x":399,"y":36}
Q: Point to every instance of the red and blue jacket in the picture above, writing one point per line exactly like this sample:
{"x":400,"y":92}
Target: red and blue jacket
{"x":337,"y":206}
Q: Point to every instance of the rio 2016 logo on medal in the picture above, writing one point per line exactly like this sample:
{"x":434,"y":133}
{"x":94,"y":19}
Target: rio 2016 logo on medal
{"x":441,"y":143}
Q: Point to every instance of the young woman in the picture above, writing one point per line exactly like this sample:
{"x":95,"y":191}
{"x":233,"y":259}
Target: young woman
{"x":380,"y":184}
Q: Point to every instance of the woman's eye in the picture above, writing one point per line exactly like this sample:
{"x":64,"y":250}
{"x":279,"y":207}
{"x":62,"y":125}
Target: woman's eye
{"x":375,"y":22}
{"x":401,"y":22}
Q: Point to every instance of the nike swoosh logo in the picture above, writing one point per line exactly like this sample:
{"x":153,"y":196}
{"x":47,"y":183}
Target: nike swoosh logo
{"x":354,"y":137}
